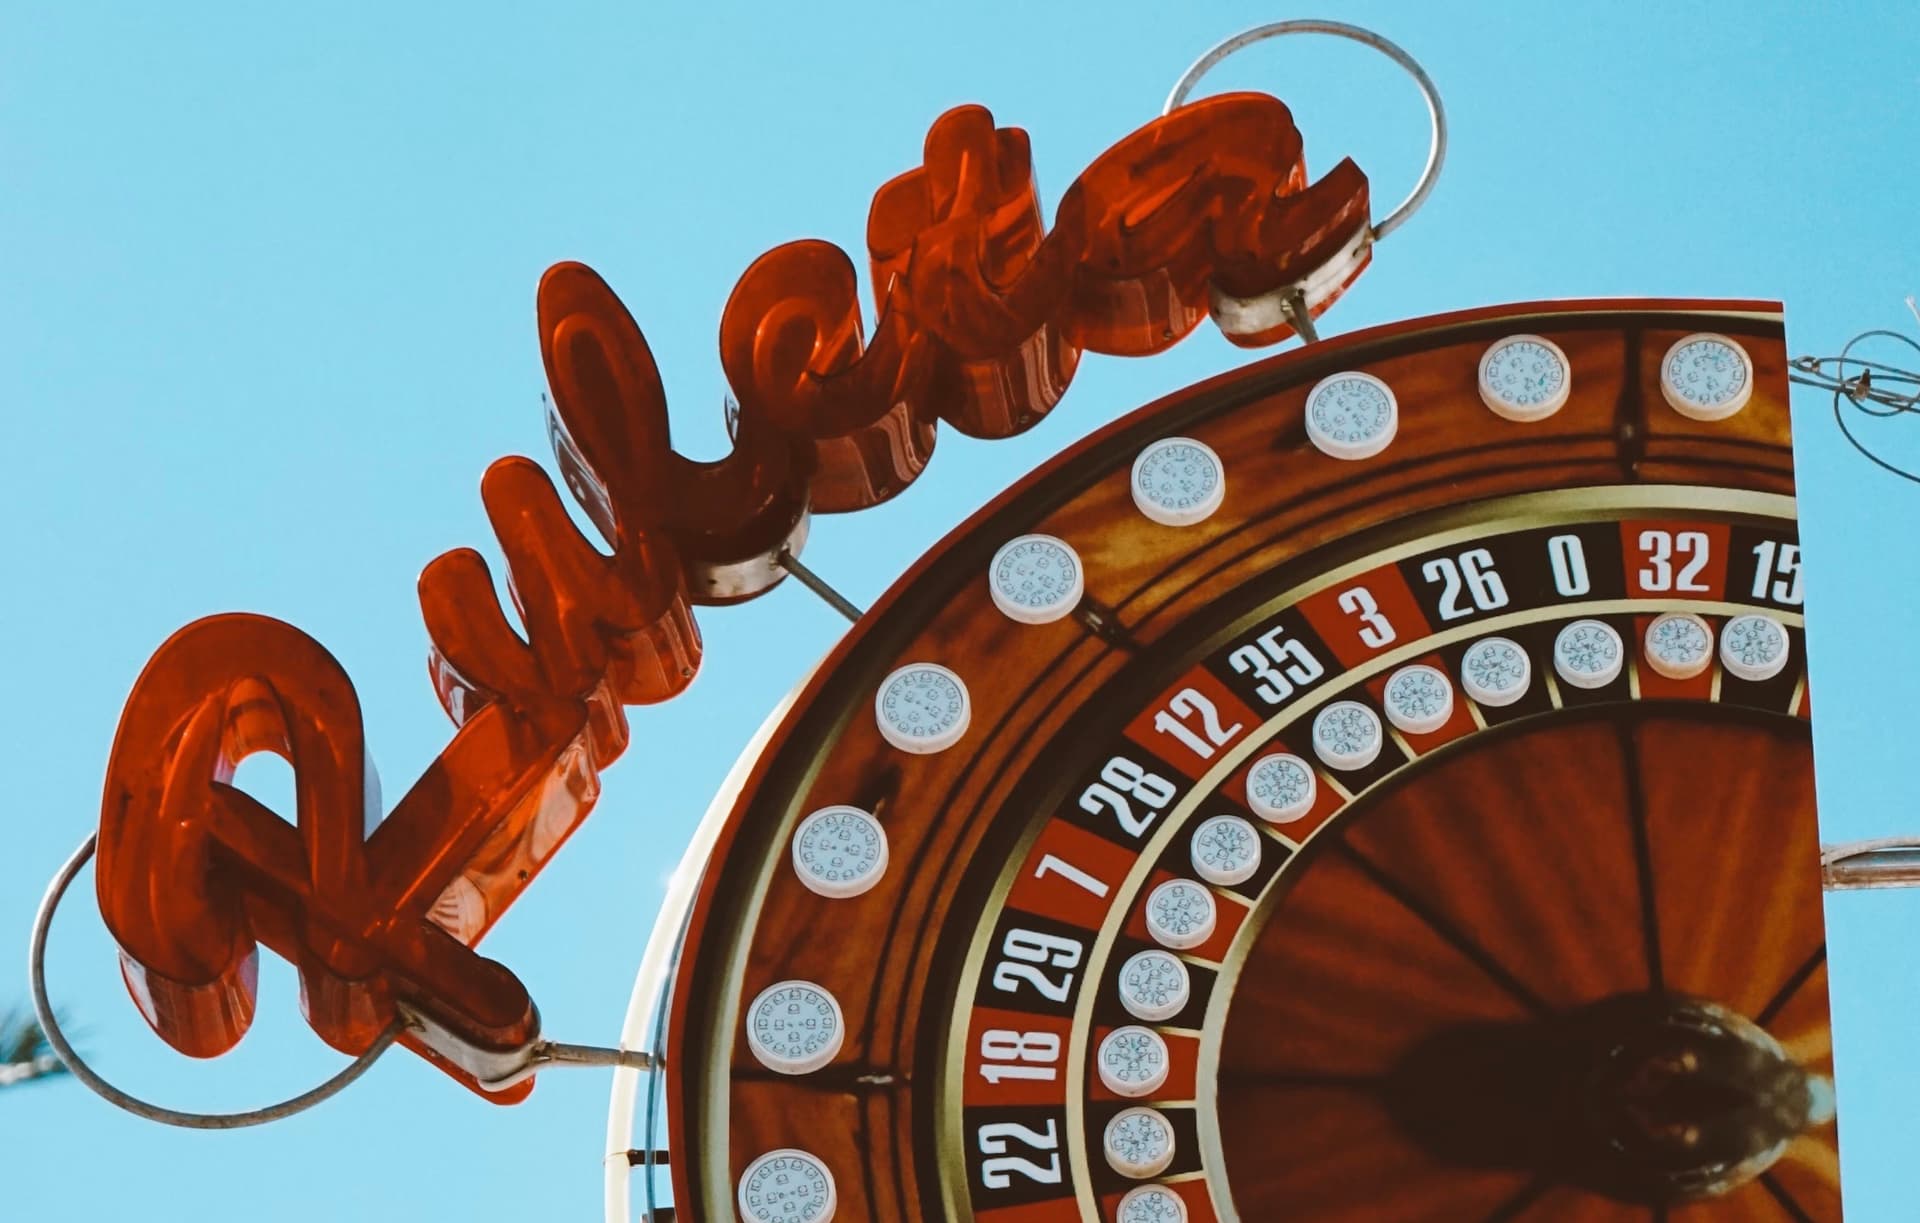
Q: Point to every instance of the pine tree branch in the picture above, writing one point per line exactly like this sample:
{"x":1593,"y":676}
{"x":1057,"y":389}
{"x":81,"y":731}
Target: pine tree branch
{"x":12,"y":1074}
{"x":24,"y":1054}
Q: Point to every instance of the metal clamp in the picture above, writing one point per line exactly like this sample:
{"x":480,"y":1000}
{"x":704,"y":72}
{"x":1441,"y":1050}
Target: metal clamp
{"x":496,"y":1070}
{"x":1884,"y":862}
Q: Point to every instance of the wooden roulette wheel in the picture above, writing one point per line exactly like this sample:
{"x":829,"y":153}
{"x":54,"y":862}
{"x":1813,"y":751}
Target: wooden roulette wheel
{"x":1373,"y":784}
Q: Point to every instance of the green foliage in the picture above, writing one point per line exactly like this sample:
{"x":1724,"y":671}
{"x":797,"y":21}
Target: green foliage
{"x":24,"y":1052}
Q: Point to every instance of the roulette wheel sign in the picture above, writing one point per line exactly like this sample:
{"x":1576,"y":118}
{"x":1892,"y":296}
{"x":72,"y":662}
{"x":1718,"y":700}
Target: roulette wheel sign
{"x":1366,"y":848}
{"x":1374,"y":783}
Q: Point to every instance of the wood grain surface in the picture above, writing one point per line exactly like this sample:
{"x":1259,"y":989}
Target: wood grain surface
{"x":753,"y":923}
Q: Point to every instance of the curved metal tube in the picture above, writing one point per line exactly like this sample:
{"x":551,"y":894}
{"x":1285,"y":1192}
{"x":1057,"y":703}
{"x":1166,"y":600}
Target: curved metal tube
{"x":1436,"y":148}
{"x":43,"y":1012}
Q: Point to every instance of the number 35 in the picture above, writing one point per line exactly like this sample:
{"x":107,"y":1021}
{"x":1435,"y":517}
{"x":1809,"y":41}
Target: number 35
{"x":1278,"y":665}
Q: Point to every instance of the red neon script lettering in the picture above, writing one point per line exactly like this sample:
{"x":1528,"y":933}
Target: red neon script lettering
{"x":983,"y":316}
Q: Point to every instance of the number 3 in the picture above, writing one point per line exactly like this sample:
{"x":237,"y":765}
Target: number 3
{"x":1375,"y":629}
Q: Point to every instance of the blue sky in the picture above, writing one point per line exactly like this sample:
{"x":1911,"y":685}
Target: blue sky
{"x":268,"y":313}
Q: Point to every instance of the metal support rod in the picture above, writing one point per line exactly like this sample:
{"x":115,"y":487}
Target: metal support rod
{"x":553,"y":1053}
{"x":1295,"y":308}
{"x":1886,"y":862}
{"x":812,"y":581}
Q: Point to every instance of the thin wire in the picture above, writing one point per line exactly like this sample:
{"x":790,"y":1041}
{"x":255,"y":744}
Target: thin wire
{"x":1436,"y":112}
{"x":43,"y":1011}
{"x":1874,"y":388}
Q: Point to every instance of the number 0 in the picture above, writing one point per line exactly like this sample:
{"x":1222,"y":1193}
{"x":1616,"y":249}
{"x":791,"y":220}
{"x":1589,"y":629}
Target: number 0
{"x":1568,"y":556}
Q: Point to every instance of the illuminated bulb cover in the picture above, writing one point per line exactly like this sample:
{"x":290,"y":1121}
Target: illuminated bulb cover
{"x":1679,"y":645}
{"x":795,"y":1027}
{"x":785,"y":1186}
{"x":840,"y":852}
{"x":1178,"y":482}
{"x":1347,"y":735}
{"x":1225,"y":850}
{"x":1706,"y":377}
{"x":1151,"y":1204}
{"x":1754,"y":647}
{"x":1139,"y":1142}
{"x":1352,"y":415}
{"x":1525,"y":378}
{"x":1180,"y":914}
{"x":1154,"y":986}
{"x":1588,"y":654}
{"x":1496,"y":671}
{"x":1281,"y":788}
{"x":1133,"y":1061}
{"x":922,"y":708}
{"x":1419,"y":699}
{"x":1035,"y":579}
